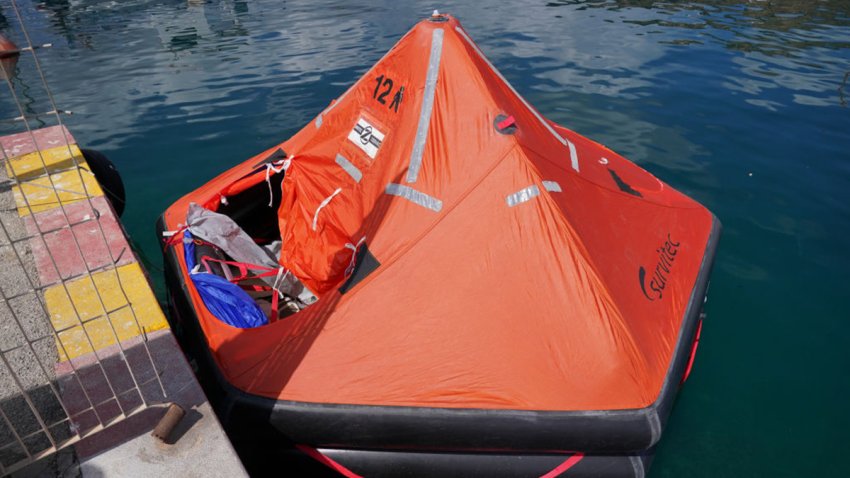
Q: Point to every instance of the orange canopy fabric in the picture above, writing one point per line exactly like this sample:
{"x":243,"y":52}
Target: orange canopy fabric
{"x":521,"y":266}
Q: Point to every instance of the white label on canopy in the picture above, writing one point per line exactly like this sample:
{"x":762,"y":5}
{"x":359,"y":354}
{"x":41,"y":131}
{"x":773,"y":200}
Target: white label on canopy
{"x":366,"y":137}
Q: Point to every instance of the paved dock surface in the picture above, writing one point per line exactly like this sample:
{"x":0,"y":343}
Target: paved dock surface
{"x":82,"y":333}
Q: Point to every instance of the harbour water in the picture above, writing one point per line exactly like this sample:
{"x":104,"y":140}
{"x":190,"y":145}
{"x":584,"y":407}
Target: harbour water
{"x":744,"y":106}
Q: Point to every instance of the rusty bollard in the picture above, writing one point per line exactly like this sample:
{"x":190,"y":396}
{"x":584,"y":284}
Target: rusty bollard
{"x":168,"y":422}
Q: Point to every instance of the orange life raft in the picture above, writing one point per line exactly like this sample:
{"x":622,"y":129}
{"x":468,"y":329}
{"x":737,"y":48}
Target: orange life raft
{"x":490,"y":284}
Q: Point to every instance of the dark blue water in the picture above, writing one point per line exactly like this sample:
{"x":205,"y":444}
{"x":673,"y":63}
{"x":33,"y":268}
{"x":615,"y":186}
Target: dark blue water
{"x":742,"y":105}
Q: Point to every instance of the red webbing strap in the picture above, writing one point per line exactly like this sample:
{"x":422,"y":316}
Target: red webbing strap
{"x":566,"y":465}
{"x":506,"y":123}
{"x":275,"y":303}
{"x":693,"y":353}
{"x":325,"y":460}
{"x":176,"y":237}
{"x":244,"y":267}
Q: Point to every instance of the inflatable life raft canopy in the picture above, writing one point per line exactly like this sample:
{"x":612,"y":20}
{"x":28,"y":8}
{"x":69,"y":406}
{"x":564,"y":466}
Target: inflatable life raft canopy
{"x":486,"y":279}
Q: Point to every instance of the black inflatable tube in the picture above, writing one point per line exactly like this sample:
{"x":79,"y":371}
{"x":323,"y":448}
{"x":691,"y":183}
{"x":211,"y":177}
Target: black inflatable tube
{"x":391,"y":464}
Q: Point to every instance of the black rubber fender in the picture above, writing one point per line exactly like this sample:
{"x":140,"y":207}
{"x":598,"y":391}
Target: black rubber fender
{"x":107,"y":175}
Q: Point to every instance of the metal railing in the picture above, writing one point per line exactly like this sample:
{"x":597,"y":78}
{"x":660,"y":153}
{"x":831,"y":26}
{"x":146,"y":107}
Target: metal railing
{"x":51,"y":398}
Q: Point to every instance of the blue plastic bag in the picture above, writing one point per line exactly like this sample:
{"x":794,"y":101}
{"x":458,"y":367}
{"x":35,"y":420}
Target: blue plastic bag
{"x":226,"y":301}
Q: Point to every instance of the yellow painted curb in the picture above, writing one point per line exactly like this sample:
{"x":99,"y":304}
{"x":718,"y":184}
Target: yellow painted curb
{"x":84,"y":296}
{"x":32,"y":165}
{"x":62,"y":186}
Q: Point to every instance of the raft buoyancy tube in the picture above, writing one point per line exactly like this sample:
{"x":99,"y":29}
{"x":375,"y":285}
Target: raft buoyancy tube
{"x":107,"y":175}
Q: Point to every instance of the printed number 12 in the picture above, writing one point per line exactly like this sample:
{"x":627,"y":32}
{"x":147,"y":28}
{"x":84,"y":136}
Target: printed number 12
{"x":387,"y":83}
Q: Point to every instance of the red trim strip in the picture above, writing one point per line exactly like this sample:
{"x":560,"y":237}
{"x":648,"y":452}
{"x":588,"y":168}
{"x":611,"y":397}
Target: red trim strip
{"x":693,"y":353}
{"x":176,"y":237}
{"x":507,"y":122}
{"x":566,"y":465}
{"x":243,"y":267}
{"x":318,"y":456}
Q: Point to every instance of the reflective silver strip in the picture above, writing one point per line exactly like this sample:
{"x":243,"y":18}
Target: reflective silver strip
{"x":427,"y":105}
{"x":573,"y":154}
{"x":552,"y":186}
{"x":327,"y":110}
{"x":564,"y":141}
{"x":523,"y":195}
{"x":414,"y":196}
{"x":349,"y":168}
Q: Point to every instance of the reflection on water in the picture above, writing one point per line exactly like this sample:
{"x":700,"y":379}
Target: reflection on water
{"x":742,"y":105}
{"x":787,"y":52}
